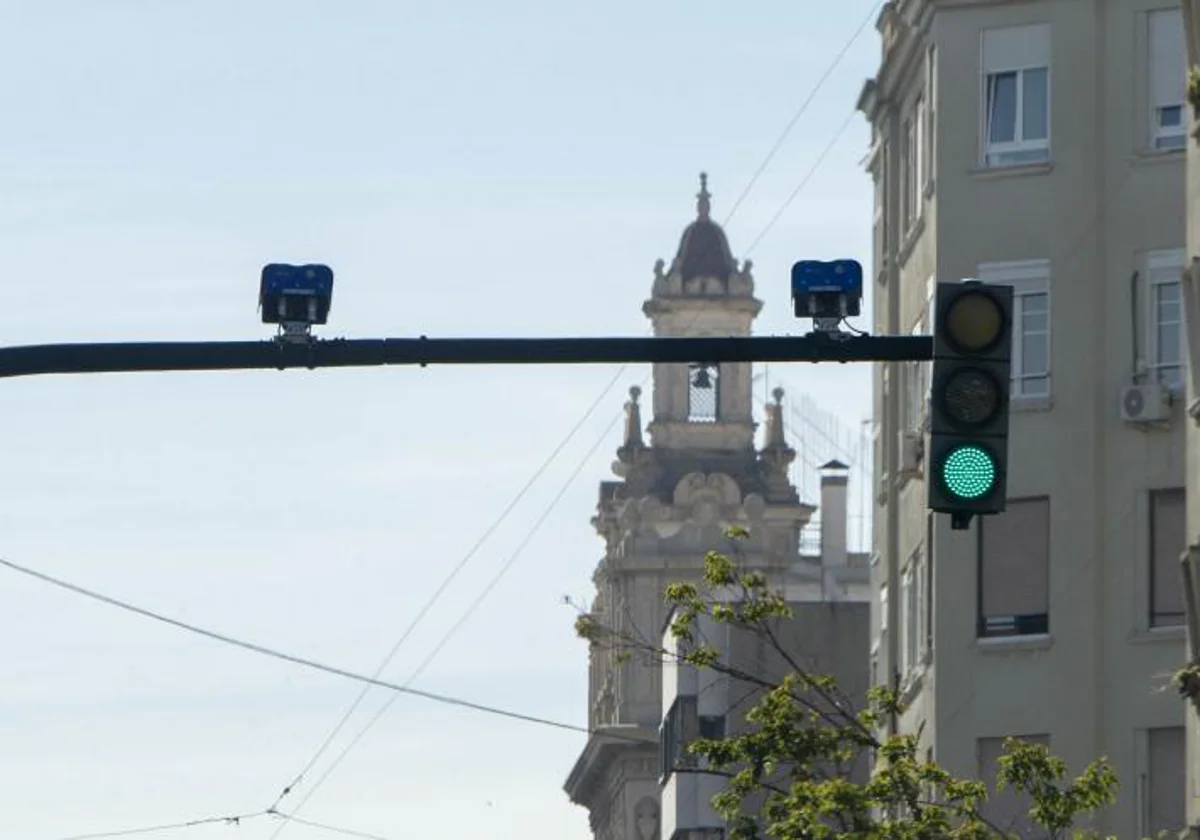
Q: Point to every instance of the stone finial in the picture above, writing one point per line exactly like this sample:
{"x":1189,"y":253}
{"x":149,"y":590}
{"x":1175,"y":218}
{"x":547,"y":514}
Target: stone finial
{"x":660,"y":266}
{"x":776,"y":456}
{"x":633,"y":426}
{"x":703,"y":203}
{"x":775,"y":435}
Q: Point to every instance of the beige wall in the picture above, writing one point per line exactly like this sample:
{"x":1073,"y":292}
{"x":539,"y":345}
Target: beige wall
{"x":1192,"y":186}
{"x":1091,"y":211}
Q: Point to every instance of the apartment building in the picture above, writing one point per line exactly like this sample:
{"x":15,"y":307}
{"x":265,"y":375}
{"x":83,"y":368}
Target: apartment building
{"x":1039,"y":144}
{"x":1191,"y":320}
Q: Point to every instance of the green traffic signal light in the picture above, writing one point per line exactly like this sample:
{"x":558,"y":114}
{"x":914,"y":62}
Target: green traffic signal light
{"x":969,"y":472}
{"x":969,"y":400}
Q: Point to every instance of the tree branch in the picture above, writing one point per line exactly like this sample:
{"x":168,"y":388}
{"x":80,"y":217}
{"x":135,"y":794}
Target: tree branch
{"x":726,"y":774}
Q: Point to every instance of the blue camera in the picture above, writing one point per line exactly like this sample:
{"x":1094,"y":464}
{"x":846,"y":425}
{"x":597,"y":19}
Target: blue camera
{"x":825,"y":290}
{"x":295,"y":295}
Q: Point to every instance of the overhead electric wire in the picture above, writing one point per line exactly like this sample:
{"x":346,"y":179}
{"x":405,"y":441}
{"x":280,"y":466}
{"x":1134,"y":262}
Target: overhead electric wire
{"x":433,"y":599}
{"x":287,"y":657}
{"x":236,"y":819}
{"x":232,"y":820}
{"x":872,"y":15}
{"x":332,"y":829}
{"x":374,"y":681}
{"x":804,"y":181}
{"x":492,"y":584}
{"x":470,"y":611}
{"x":620,"y":372}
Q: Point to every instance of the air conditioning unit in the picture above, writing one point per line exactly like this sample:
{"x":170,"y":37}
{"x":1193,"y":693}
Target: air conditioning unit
{"x":1148,"y":402}
{"x":912,"y":452}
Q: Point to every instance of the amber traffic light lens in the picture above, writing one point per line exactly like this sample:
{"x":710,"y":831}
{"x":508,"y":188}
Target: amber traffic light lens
{"x":974,"y":322}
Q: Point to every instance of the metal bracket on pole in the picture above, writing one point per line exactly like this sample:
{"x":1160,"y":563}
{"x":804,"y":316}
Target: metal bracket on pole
{"x":960,"y":520}
{"x":294,"y":332}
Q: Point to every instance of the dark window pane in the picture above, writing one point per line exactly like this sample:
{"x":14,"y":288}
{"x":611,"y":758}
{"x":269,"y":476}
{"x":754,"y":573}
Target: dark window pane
{"x":1002,"y":107}
{"x":1035,"y":110}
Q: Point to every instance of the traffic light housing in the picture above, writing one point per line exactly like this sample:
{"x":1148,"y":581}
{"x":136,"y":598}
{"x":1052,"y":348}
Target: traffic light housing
{"x":972,"y":352}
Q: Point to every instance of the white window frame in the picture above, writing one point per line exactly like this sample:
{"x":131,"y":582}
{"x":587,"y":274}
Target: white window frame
{"x":1028,"y":278}
{"x":908,"y":174}
{"x":914,"y":391}
{"x":920,"y":177}
{"x":1164,"y":269}
{"x":1162,"y":93}
{"x":879,"y":224}
{"x":995,"y":154}
{"x":930,"y":117}
{"x":883,"y":609}
{"x":910,"y":616}
{"x":918,"y":375}
{"x":922,"y":573}
{"x":926,"y":368}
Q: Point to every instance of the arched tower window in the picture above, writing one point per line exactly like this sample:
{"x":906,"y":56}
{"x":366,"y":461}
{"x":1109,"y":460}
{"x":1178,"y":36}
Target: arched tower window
{"x":704,"y":392}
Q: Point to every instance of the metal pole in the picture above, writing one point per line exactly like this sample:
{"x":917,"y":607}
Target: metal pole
{"x":37,"y":360}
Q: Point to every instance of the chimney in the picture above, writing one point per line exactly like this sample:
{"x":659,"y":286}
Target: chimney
{"x":834,"y":513}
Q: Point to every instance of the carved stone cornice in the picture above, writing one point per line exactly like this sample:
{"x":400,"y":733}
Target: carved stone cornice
{"x":604,"y":747}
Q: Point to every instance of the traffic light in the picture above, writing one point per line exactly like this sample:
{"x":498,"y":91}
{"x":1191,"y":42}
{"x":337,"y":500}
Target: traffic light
{"x":972,"y":351}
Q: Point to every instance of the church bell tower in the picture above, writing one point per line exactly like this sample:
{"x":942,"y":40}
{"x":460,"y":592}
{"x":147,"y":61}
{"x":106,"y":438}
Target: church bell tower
{"x":676,"y":495}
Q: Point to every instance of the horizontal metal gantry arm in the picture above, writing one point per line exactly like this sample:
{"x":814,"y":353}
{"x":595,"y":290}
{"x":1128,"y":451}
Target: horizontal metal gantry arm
{"x":43,"y":359}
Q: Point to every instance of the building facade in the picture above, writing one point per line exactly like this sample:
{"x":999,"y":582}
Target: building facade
{"x":699,"y":473}
{"x":830,"y":637}
{"x":1039,"y":144}
{"x":1191,"y":318}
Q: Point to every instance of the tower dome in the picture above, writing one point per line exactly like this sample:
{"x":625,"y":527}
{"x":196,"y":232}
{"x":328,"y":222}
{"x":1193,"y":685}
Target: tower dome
{"x":703,"y":248}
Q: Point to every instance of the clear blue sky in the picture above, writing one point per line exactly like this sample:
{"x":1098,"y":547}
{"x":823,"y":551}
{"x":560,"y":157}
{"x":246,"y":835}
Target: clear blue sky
{"x":469,"y":168}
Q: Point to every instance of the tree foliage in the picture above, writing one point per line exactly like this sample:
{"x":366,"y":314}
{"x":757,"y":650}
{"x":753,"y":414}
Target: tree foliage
{"x":788,"y":771}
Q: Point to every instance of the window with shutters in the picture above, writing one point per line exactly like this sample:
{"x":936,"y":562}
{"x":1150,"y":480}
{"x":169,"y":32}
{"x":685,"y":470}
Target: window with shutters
{"x":1167,"y":75}
{"x":1167,"y":541}
{"x":1016,"y":95}
{"x":679,"y":727}
{"x":1014,"y":570}
{"x":1161,"y":788}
